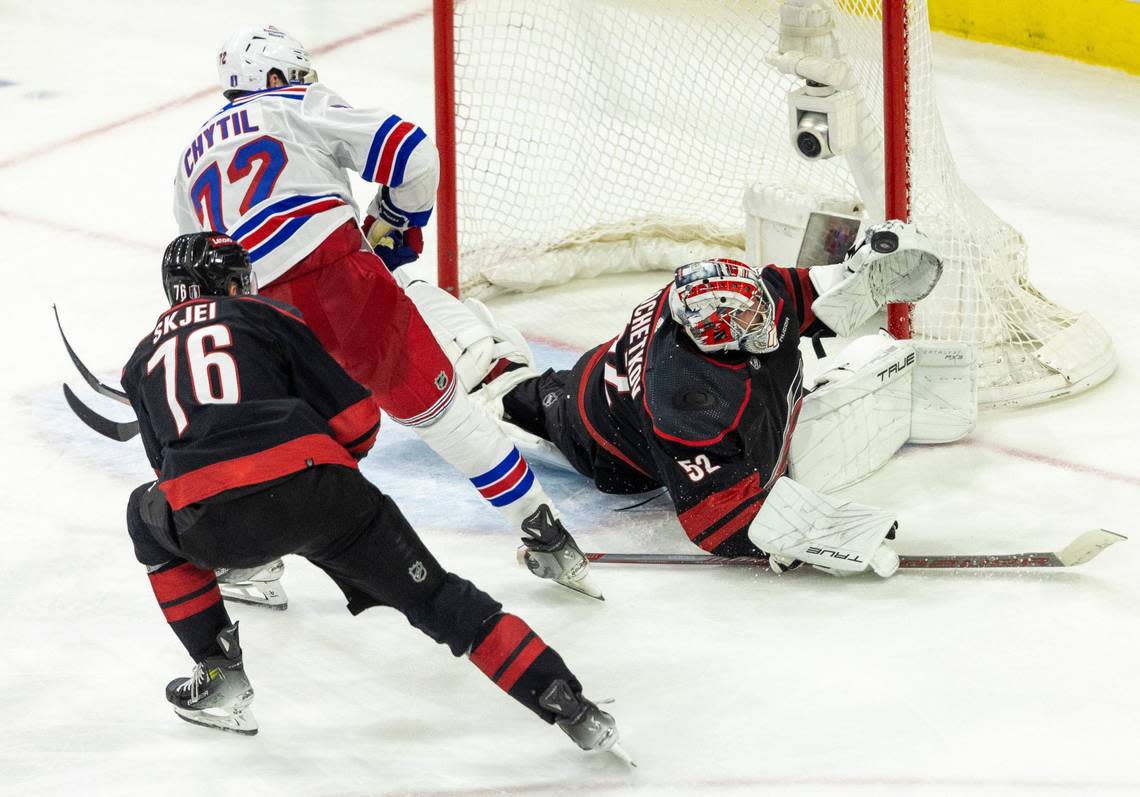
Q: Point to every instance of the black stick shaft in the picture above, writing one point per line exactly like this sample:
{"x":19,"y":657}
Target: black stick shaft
{"x":85,"y":372}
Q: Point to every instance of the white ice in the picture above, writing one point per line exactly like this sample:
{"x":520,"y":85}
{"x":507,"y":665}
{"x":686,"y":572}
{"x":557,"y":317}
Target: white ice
{"x":726,"y":682}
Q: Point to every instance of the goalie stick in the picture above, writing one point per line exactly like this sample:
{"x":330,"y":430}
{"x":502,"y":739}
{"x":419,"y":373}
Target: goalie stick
{"x":1082,"y":549}
{"x":104,"y":426}
{"x":88,"y":377}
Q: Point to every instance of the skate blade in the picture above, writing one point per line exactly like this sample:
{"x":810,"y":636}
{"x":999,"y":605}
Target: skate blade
{"x":619,"y":752}
{"x":271,"y":571}
{"x":584,"y":585}
{"x":241,"y":722}
{"x":269,"y":594}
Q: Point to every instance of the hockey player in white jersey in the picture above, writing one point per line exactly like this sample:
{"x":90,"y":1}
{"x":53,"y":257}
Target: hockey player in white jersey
{"x":269,"y":169}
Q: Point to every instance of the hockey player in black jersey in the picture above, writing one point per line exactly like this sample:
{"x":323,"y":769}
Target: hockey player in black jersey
{"x":701,"y":391}
{"x":255,"y":432}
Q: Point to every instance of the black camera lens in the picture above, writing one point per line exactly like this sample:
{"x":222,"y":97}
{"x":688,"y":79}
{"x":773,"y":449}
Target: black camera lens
{"x":809,"y":145}
{"x":884,"y":242}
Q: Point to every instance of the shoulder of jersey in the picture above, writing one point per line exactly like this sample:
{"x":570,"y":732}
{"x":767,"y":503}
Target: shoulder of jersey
{"x":257,"y":303}
{"x":284,"y":94}
{"x":692,"y":398}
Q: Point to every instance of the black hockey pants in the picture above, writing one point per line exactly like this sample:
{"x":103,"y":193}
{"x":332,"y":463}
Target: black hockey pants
{"x":342,"y":523}
{"x":336,"y":519}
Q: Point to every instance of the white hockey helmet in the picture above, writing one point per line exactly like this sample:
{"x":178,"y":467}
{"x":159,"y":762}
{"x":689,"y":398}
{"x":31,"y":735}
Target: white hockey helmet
{"x":249,"y":55}
{"x":724,"y":305}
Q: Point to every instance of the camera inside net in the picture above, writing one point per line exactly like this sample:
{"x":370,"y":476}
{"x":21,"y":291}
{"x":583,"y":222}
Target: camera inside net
{"x":824,"y":122}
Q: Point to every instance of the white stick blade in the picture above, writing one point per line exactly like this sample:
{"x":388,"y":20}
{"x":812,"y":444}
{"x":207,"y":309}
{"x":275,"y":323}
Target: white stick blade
{"x":1088,"y":546}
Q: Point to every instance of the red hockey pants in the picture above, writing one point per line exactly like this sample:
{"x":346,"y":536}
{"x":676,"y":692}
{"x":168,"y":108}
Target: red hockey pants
{"x":361,"y":315}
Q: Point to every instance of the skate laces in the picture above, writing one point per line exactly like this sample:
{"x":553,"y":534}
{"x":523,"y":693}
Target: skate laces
{"x":198,"y":676}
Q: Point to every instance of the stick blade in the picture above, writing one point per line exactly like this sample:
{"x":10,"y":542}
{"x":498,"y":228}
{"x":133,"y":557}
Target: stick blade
{"x":1088,"y":546}
{"x":104,"y":426}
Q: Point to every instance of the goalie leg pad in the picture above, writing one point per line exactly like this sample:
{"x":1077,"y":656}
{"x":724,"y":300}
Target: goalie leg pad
{"x":839,"y":537}
{"x":945,"y":392}
{"x":473,"y":339}
{"x":857,"y":416}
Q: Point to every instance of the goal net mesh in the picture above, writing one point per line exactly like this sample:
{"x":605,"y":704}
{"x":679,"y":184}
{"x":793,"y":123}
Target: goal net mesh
{"x":595,"y":136}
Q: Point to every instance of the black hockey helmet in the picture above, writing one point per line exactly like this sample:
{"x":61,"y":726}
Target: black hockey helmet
{"x":205,"y":264}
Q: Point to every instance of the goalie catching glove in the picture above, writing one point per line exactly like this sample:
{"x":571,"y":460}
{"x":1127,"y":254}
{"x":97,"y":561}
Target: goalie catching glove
{"x":894,"y":263}
{"x":840,"y":537}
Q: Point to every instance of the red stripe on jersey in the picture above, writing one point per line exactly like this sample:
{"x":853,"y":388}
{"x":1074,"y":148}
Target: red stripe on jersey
{"x":807,"y":317}
{"x":526,"y":658}
{"x":605,"y":445}
{"x":349,"y":424}
{"x":697,"y":519}
{"x":388,"y":154}
{"x":364,"y":446}
{"x":178,"y":582}
{"x":192,"y":607}
{"x":504,"y":638}
{"x":272,"y":463}
{"x":713,"y":541}
{"x":273,"y":223}
{"x":786,"y":276}
{"x":789,"y":429}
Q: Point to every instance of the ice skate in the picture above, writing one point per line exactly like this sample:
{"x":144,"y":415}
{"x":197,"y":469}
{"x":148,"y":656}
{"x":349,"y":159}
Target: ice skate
{"x":587,"y":725}
{"x":217,"y":694}
{"x":550,"y":552}
{"x":260,"y":586}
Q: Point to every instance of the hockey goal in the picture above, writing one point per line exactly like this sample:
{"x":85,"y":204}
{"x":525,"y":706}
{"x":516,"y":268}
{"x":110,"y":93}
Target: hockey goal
{"x":582,"y":137}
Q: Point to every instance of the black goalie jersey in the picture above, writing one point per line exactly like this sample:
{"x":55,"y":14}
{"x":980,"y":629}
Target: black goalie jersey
{"x":231,"y":392}
{"x":649,"y":409}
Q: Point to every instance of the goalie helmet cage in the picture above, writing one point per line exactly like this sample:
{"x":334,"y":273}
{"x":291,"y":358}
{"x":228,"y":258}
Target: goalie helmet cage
{"x":583,"y":137}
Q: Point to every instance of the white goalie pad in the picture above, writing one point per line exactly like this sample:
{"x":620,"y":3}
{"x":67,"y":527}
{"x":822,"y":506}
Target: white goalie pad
{"x":944,"y":391}
{"x":895,"y":263}
{"x":882,"y":394}
{"x":474,"y":340}
{"x":857,"y":416}
{"x":470,"y":336}
{"x":840,"y":537}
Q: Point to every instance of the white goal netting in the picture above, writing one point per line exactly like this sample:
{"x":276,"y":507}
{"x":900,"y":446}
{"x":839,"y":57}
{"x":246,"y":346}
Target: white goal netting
{"x":595,"y":136}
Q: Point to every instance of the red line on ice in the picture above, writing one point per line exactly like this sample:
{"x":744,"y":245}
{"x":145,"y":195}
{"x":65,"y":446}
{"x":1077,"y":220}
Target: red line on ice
{"x":54,"y":146}
{"x":1056,"y":462}
{"x":98,"y":235}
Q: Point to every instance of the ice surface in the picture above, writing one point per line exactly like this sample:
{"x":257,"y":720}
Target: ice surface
{"x":727,"y":683}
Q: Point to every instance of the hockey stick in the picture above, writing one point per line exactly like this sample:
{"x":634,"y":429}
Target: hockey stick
{"x":104,"y":426}
{"x":1083,"y":549}
{"x":88,"y":377}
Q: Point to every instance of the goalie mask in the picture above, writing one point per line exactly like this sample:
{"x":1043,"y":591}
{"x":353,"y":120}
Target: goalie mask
{"x":248,"y":56}
{"x":723,"y":305}
{"x":205,"y":264}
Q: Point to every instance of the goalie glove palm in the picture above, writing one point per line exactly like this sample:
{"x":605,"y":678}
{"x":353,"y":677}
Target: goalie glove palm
{"x":894,"y":263}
